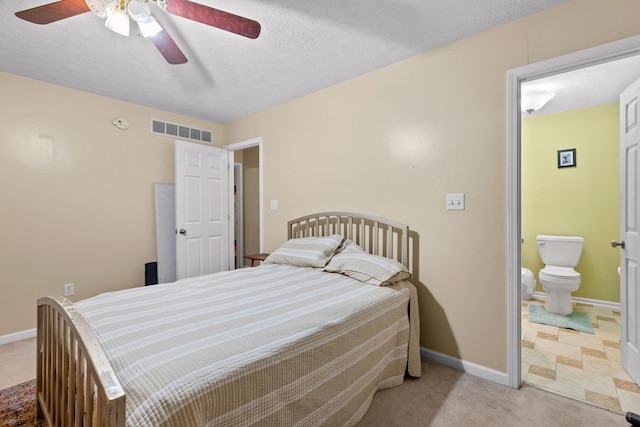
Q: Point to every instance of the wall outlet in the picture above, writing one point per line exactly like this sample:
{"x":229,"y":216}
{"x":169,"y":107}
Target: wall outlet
{"x":69,"y":289}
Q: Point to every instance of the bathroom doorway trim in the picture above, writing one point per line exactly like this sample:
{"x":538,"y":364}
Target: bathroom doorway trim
{"x":597,"y":55}
{"x":254,"y":142}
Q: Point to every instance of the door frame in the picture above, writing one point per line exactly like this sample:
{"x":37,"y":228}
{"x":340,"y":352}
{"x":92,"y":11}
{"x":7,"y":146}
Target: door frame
{"x":253,"y":142}
{"x":605,"y":53}
{"x":238,"y":213}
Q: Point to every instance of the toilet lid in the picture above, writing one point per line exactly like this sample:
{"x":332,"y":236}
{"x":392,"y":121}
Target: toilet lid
{"x":561,"y":272}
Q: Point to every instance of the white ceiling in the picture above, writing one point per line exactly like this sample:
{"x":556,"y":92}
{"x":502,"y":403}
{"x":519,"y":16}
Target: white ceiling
{"x":304,"y":46}
{"x":586,"y":87}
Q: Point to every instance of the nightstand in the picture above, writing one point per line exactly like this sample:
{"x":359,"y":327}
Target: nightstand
{"x":256,"y":257}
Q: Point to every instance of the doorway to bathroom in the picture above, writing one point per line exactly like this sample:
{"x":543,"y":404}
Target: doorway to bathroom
{"x":558,"y":359}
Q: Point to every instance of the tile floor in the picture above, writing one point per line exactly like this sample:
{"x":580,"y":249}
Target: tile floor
{"x":577,"y":364}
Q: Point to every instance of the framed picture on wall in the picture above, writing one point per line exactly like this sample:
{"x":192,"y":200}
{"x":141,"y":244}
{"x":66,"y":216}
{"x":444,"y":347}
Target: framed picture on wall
{"x":567,"y":158}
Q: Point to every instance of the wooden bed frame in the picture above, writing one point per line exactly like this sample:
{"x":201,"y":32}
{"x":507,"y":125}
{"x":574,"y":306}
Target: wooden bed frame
{"x":76,"y":385}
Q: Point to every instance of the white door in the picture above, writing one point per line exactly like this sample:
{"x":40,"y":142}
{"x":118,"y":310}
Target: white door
{"x":630,"y":229}
{"x":202,"y":209}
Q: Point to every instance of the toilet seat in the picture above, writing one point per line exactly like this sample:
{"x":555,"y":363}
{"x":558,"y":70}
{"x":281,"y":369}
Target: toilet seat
{"x":560,"y":272}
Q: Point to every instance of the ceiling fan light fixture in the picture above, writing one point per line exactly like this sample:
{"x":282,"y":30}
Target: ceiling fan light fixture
{"x":118,"y":20}
{"x":146,"y":23}
{"x":138,"y":11}
{"x":117,"y":14}
{"x":101,"y":8}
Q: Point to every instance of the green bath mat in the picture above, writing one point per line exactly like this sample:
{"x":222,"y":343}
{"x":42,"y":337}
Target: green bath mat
{"x":576,"y":321}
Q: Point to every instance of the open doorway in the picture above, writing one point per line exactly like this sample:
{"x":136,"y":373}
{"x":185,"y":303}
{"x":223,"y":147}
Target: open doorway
{"x":574,"y":200}
{"x":516,"y":78}
{"x":247,"y":199}
{"x":238,"y":212}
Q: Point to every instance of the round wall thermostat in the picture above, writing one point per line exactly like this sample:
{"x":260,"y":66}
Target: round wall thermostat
{"x":121,"y":123}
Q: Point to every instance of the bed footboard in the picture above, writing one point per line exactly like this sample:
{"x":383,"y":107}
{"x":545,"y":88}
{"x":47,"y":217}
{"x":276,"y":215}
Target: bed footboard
{"x":76,"y":385}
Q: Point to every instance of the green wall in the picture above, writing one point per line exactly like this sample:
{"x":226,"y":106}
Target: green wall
{"x":580,"y":201}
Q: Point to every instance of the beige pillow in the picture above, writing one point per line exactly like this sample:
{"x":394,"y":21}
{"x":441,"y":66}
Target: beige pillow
{"x":306,"y":251}
{"x":367,"y":268}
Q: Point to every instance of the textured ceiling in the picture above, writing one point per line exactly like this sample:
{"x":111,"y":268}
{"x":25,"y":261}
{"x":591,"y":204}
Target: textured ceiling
{"x":586,"y":87}
{"x":304,"y":46}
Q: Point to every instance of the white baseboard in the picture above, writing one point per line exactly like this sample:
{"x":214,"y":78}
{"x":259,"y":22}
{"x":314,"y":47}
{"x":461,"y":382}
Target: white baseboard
{"x":467,"y":367}
{"x":17,"y":336}
{"x":608,"y":304}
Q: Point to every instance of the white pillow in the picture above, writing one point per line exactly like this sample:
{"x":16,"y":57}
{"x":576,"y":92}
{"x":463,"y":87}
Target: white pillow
{"x":367,"y":268}
{"x":306,"y":251}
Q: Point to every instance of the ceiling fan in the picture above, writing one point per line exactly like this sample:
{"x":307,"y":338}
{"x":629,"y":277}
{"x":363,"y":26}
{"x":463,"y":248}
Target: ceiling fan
{"x":117,"y":13}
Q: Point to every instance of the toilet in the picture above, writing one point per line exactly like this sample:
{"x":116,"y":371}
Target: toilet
{"x":560,"y":254}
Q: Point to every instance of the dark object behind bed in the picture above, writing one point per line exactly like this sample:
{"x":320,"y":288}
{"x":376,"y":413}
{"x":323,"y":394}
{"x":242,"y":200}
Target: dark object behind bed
{"x":151,"y":273}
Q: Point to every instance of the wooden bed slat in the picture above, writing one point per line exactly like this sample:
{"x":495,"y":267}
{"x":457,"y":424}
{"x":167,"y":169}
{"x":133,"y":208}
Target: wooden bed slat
{"x":64,"y":397}
{"x":376,"y":238}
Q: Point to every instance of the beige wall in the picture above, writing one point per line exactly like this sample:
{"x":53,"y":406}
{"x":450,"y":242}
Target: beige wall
{"x":77,"y":201}
{"x":395,"y":141}
{"x":77,"y":193}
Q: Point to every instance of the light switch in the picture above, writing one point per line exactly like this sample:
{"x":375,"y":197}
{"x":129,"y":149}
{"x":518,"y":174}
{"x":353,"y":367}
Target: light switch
{"x":455,"y":202}
{"x":274,"y":205}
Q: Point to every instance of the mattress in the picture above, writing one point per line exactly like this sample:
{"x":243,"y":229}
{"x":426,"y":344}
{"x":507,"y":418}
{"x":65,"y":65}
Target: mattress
{"x":273,"y":345}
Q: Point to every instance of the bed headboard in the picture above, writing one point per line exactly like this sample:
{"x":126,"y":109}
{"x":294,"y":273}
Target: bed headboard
{"x":378,"y":236}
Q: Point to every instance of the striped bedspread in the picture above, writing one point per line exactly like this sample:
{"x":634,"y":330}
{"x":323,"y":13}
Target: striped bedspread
{"x":273,"y":345}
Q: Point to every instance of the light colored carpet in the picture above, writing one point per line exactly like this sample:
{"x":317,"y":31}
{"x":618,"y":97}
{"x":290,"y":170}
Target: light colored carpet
{"x":447,"y":397}
{"x":576,"y":320}
{"x":17,"y":362}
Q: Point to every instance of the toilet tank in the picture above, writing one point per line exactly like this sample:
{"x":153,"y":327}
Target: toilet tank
{"x":563,"y":251}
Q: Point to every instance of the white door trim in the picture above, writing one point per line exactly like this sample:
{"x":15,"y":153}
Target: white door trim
{"x":254,"y":142}
{"x":238,"y":169}
{"x":573,"y":61}
{"x":232,"y":231}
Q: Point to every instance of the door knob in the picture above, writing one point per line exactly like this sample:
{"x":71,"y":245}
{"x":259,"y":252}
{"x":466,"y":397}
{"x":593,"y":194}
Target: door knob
{"x":614,"y":244}
{"x":184,"y":232}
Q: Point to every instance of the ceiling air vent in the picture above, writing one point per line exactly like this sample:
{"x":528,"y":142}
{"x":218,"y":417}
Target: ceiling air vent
{"x":160,"y":127}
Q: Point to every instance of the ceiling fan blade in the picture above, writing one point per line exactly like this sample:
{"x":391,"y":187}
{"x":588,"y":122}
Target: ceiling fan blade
{"x":214,"y":17}
{"x":53,"y":12}
{"x":168,"y":48}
